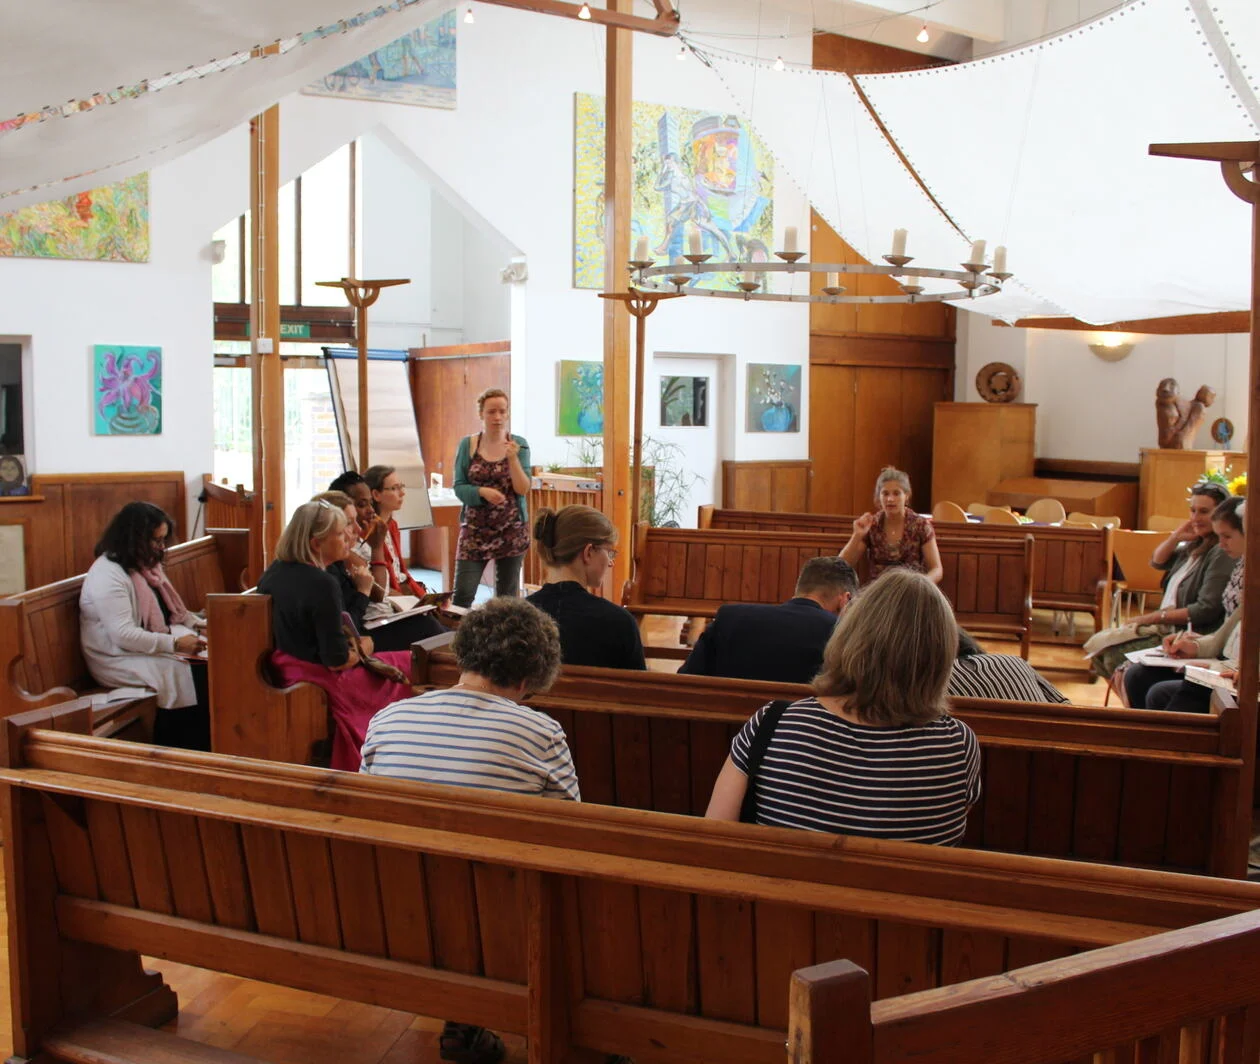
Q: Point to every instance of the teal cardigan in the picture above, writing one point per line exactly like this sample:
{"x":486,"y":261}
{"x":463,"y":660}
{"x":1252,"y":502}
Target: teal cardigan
{"x":469,"y":493}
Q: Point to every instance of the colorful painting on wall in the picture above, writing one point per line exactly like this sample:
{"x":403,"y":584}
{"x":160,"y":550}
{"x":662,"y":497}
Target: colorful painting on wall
{"x":416,"y":69}
{"x":684,"y":401}
{"x":109,"y":224}
{"x":773,"y":402}
{"x":701,"y":180}
{"x":126,"y":391}
{"x":580,"y":399}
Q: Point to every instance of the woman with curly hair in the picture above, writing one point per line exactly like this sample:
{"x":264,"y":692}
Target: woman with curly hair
{"x":476,"y":734}
{"x":135,"y":630}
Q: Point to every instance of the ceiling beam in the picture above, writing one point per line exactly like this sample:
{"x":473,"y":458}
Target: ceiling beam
{"x":665,"y":24}
{"x":1226,"y":321}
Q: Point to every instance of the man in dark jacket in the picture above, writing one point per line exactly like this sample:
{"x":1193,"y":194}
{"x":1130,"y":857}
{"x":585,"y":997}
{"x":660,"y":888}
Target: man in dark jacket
{"x":782,"y":643}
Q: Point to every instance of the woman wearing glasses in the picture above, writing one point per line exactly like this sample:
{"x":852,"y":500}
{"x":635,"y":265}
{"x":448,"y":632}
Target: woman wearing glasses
{"x":388,"y":493}
{"x":576,"y":546}
{"x":492,"y":481}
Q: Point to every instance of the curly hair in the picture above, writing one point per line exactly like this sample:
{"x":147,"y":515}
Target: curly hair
{"x":346,"y":481}
{"x":128,"y":538}
{"x":509,"y":642}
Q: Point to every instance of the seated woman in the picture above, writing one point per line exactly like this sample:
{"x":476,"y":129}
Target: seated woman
{"x":476,"y":734}
{"x":1197,"y":572}
{"x":388,"y":492}
{"x":576,"y":546}
{"x":1151,"y":687}
{"x":311,"y":641}
{"x":133,"y":626}
{"x":875,"y":751}
{"x":896,"y":536}
{"x":977,"y":674}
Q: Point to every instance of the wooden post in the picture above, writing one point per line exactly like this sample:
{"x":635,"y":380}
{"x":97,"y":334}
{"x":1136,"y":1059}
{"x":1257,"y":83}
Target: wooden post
{"x":618,"y":130}
{"x":266,"y":369}
{"x":829,"y":1017}
{"x":1235,"y":159}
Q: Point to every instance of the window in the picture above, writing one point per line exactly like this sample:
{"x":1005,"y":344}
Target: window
{"x":12,"y":432}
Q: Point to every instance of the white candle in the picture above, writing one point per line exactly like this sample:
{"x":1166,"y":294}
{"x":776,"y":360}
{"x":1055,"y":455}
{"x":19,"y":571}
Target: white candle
{"x":693,"y":243}
{"x":899,"y":242}
{"x":750,"y":277}
{"x":833,"y":280}
{"x":789,"y":238}
{"x":999,"y":259}
{"x":977,"y":251}
{"x":640,"y":249}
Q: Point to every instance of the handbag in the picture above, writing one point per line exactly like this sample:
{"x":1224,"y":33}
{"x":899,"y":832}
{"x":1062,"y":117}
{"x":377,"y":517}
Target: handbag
{"x":1125,"y":633}
{"x":373,"y":664}
{"x":756,"y":754}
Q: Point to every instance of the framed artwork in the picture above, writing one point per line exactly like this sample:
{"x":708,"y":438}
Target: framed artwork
{"x":773,"y":398}
{"x":580,"y":399}
{"x":416,"y":69}
{"x":684,"y":401}
{"x":108,"y":224}
{"x":126,"y":391}
{"x":700,"y":179}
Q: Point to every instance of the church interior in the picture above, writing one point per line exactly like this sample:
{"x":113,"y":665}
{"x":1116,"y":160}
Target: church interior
{"x":455,"y":393}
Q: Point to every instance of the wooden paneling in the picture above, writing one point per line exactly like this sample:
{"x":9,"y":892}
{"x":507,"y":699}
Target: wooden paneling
{"x":832,"y":406}
{"x":776,"y":485}
{"x":835,"y":52}
{"x":1166,"y":474}
{"x":976,"y":445}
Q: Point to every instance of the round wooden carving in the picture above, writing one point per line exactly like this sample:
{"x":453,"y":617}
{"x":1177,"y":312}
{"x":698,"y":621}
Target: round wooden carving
{"x":1222,"y":431}
{"x":998,"y":383}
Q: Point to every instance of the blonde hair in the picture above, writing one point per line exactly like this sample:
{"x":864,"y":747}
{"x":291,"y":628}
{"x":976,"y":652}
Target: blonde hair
{"x":311,"y":520}
{"x":891,"y":473}
{"x":337,"y":498}
{"x":890,"y":656}
{"x":491,"y":393}
{"x":561,"y":537}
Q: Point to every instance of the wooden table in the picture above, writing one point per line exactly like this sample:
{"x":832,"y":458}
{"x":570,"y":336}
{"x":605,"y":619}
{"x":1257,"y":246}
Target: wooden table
{"x":1110,"y":498}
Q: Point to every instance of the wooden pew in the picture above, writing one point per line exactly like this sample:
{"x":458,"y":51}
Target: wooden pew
{"x":1127,"y":1002}
{"x":615,"y":930}
{"x":1071,"y":566}
{"x":1136,"y":787}
{"x":39,"y":629}
{"x":691,"y":572}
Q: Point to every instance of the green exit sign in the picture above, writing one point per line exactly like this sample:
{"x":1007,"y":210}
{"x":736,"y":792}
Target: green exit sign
{"x":290,"y":330}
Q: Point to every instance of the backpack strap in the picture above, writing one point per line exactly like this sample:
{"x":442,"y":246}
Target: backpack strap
{"x":756,"y":753}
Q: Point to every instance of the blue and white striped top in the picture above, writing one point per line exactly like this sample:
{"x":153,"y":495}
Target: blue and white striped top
{"x":824,"y":773}
{"x":471,"y":739}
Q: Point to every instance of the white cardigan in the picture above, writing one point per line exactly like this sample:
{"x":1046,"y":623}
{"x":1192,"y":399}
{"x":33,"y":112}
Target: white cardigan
{"x":120,"y":653}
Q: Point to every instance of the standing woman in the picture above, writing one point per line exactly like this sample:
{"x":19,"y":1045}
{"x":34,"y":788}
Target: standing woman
{"x":896,"y":536}
{"x":388,"y":492}
{"x":492,"y":481}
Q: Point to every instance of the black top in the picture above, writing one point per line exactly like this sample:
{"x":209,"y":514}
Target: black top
{"x":355,"y":602}
{"x":593,"y":631}
{"x":306,"y":609}
{"x":757,"y":642}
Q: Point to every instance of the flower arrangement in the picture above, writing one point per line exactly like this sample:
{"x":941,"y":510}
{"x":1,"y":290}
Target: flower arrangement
{"x":1238,"y":486}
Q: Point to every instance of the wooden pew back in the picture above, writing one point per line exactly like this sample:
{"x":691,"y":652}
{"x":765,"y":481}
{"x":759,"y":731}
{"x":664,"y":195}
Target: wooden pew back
{"x":663,"y":938}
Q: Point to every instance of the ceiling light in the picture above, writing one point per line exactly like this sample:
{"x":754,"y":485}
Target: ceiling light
{"x":584,"y":12}
{"x":779,"y":64}
{"x":468,"y":17}
{"x":922,"y":36}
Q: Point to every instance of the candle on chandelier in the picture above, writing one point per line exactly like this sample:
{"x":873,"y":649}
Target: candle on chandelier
{"x":999,"y":259}
{"x":977,"y":251}
{"x":750,"y":277}
{"x":899,"y":242}
{"x":693,"y":243}
{"x":789,"y":238}
{"x":640,"y":250}
{"x":833,"y":280}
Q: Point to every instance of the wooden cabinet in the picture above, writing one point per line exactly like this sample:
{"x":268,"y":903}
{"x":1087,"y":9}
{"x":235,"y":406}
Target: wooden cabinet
{"x":977,"y":445}
{"x":781,"y":486}
{"x":1166,"y":476}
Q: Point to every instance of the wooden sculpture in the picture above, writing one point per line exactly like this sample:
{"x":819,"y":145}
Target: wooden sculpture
{"x":1178,"y":419}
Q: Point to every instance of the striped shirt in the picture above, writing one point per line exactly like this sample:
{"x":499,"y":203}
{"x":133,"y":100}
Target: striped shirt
{"x":824,"y":773}
{"x":471,"y":739}
{"x":1000,"y":676}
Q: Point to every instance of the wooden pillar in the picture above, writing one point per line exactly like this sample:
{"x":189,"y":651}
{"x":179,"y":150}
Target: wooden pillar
{"x":267,"y":372}
{"x":618,"y":126}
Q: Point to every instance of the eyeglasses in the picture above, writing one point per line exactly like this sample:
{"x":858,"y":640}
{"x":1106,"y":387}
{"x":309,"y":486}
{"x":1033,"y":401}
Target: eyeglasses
{"x":610,"y":551}
{"x":395,"y":487}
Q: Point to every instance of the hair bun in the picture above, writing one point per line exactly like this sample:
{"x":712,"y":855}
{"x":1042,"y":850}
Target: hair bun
{"x":545,"y":528}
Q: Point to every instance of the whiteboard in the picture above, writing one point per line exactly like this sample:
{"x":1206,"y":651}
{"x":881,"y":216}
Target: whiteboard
{"x":393,"y":437}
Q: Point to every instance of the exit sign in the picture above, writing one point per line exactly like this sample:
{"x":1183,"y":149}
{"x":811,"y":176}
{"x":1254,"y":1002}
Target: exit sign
{"x":290,"y":330}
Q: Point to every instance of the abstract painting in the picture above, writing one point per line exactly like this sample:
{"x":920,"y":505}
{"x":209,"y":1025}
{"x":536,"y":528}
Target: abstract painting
{"x":416,"y":69}
{"x":684,"y":401}
{"x":109,"y":224}
{"x":773,"y":403}
{"x":126,"y":390}
{"x":697,"y":176}
{"x":580,"y":399}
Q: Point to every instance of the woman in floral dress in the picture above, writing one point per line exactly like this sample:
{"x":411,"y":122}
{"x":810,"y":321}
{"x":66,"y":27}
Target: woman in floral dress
{"x":896,"y":535}
{"x":491,"y":480}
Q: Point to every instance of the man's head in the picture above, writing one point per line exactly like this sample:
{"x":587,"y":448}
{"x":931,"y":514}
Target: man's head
{"x":831,"y":582}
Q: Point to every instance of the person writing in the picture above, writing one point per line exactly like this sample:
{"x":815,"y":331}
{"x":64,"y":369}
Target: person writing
{"x":577,"y":547}
{"x":896,"y":535}
{"x":492,"y":481}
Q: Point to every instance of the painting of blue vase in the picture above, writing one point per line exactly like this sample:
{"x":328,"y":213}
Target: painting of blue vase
{"x":580,"y":399}
{"x":773,"y":400}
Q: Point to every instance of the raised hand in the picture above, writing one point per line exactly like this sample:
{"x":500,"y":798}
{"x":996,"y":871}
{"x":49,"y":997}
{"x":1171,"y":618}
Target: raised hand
{"x":512,"y":447}
{"x":864,"y":524}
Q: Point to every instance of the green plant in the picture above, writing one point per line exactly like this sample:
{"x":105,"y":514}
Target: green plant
{"x":670,"y":484}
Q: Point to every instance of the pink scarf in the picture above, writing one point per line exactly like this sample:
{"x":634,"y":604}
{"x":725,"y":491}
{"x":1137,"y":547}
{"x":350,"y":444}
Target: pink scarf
{"x":151,"y":619}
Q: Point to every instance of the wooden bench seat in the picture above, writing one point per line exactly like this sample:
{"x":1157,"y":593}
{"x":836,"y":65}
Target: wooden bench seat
{"x":692,"y":572}
{"x":39,"y":629}
{"x":626,"y":931}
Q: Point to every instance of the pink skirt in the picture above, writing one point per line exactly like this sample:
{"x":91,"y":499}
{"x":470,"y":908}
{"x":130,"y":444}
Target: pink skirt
{"x":354,"y":695}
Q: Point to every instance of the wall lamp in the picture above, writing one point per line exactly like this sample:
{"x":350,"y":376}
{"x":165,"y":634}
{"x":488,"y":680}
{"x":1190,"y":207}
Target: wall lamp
{"x":1112,"y":347}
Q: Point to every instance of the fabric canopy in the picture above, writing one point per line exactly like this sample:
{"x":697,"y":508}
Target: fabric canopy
{"x":62,"y":155}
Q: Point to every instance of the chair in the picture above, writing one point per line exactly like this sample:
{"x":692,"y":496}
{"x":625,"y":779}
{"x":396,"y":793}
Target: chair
{"x":1098,"y":520}
{"x":1077,"y":524}
{"x":998,"y":516}
{"x":1160,"y":523}
{"x":1046,"y":512}
{"x":1132,"y":552}
{"x":978,"y":509}
{"x":949,"y":512}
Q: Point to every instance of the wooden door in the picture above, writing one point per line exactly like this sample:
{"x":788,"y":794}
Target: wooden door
{"x":832,"y":395}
